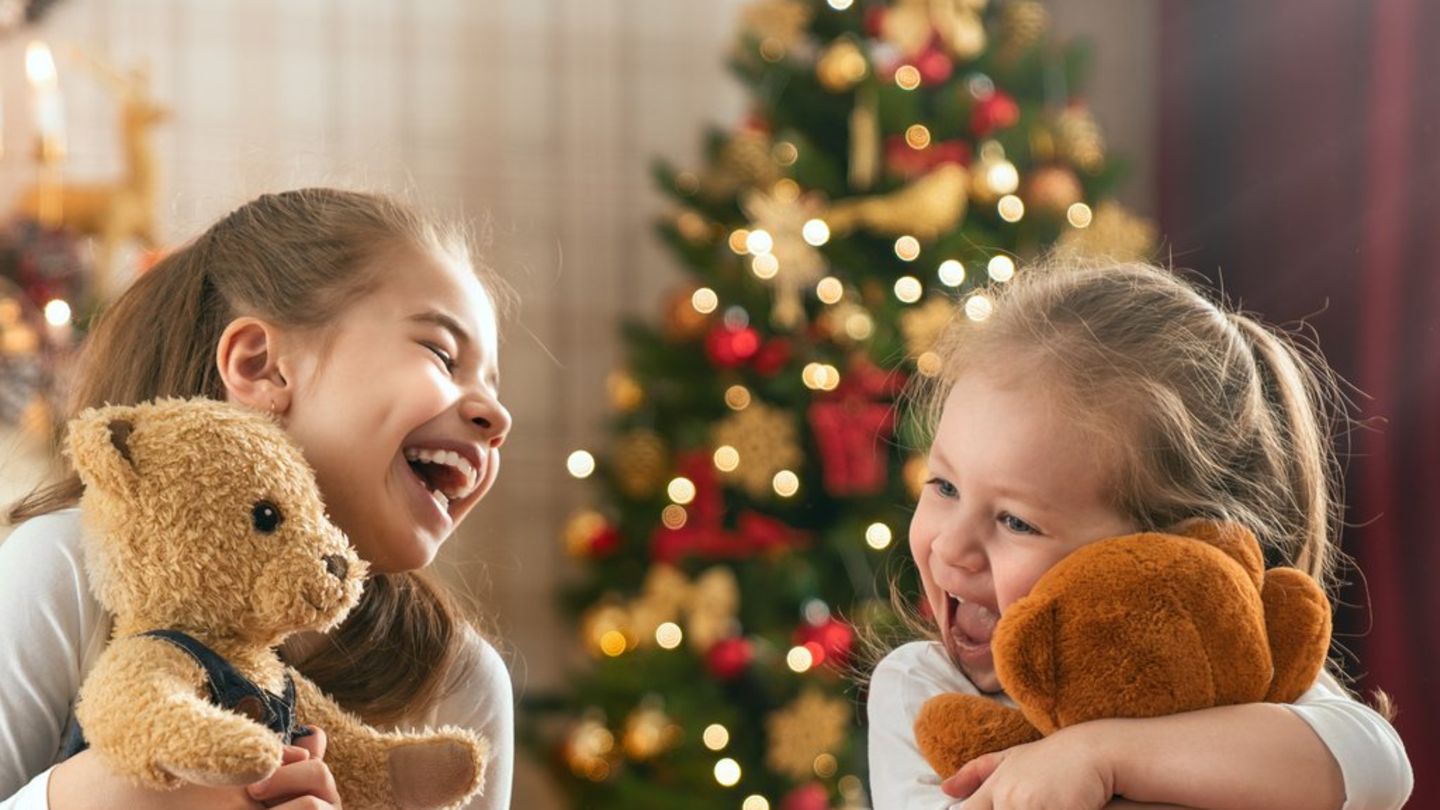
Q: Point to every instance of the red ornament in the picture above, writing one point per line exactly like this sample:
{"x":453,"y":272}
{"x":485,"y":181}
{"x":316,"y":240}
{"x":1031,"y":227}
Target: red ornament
{"x":828,"y":642}
{"x":996,"y":111}
{"x":811,"y":796}
{"x":852,"y":437}
{"x":905,"y":161}
{"x":934,"y":65}
{"x":730,"y":348}
{"x":729,"y":658}
{"x":772,"y":357}
{"x":604,"y":542}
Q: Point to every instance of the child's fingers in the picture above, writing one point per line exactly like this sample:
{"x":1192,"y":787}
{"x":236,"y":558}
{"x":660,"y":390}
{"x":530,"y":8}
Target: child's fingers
{"x":314,"y":742}
{"x":972,"y":775}
{"x":310,"y":777}
{"x":293,"y":753}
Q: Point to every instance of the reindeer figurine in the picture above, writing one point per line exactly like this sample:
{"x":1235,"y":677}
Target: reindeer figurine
{"x":115,"y":212}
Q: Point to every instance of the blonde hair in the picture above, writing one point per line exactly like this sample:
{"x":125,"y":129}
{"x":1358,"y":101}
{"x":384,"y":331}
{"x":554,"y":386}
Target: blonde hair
{"x":297,"y":259}
{"x":1205,"y":411}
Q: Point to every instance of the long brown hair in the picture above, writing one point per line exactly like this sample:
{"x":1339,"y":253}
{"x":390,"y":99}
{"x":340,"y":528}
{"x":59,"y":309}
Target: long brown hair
{"x":296,"y":259}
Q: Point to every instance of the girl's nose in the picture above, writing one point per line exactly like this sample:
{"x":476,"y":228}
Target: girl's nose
{"x":487,"y":413}
{"x":955,"y":548}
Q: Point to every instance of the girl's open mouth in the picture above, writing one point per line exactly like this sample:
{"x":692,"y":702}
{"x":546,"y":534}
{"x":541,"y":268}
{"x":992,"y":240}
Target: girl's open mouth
{"x":968,"y":629}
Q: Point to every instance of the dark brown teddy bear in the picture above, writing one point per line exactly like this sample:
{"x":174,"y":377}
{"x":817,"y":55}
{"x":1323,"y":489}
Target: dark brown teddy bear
{"x":1139,"y":626}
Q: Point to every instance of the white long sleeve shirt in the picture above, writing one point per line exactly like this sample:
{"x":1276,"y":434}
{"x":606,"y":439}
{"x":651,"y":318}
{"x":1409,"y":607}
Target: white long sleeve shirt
{"x":52,"y":630}
{"x":1372,"y":758}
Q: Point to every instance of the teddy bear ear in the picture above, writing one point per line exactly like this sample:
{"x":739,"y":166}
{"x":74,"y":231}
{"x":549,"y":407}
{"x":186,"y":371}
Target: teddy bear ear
{"x":1235,"y":540}
{"x":98,"y":445}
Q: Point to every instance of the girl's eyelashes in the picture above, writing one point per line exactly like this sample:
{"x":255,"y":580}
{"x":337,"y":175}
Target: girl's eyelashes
{"x":1015,"y":524}
{"x":945,"y":488}
{"x":445,"y":358}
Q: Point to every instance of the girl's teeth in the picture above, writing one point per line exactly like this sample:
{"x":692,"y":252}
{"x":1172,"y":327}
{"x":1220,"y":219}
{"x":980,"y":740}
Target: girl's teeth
{"x":449,"y":458}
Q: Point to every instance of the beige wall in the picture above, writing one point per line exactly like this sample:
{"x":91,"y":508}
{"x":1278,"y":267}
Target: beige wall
{"x":541,"y":117}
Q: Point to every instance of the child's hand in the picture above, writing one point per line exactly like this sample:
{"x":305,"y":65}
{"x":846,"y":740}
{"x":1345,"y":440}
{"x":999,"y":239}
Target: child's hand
{"x":302,"y":774}
{"x":83,"y":782}
{"x":1062,"y":771}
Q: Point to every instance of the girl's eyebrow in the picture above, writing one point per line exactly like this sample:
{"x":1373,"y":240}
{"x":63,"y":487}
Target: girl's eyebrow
{"x":444,"y":321}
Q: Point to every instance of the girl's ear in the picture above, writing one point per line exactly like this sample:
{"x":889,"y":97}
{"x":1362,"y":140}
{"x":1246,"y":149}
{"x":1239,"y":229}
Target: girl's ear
{"x":98,"y":445}
{"x":248,"y":359}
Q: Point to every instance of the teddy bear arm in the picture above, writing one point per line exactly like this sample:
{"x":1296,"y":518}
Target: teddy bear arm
{"x":376,"y":769}
{"x":143,"y":709}
{"x":953,"y":729}
{"x":1297,"y":621}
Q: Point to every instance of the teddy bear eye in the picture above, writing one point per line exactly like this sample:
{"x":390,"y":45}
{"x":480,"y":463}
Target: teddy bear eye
{"x":266,"y":516}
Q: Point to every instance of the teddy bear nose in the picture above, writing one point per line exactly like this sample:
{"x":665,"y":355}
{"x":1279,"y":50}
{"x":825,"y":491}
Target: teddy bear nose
{"x":336,"y":565}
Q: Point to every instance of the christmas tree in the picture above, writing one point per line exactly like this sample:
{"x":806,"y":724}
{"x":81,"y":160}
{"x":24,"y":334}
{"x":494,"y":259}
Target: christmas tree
{"x":898,"y":159}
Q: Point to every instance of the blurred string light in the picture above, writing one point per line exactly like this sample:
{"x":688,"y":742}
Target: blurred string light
{"x":727,"y":772}
{"x":704,"y":300}
{"x":799,"y":659}
{"x":908,"y":289}
{"x":830,"y":290}
{"x":739,"y":238}
{"x":1001,"y":268}
{"x":737,"y":397}
{"x":878,"y":536}
{"x":674,"y":516}
{"x":1079,"y":215}
{"x":907,"y":77}
{"x":917,"y":136}
{"x":669,"y":635}
{"x":978,"y":307}
{"x":755,"y":801}
{"x":907,"y":248}
{"x":759,"y":242}
{"x":715,"y":736}
{"x":815,"y":232}
{"x":786,"y":483}
{"x":765,"y":266}
{"x":580,"y":464}
{"x":681,"y":490}
{"x":1011,"y":208}
{"x":952,"y":273}
{"x":727,"y":458}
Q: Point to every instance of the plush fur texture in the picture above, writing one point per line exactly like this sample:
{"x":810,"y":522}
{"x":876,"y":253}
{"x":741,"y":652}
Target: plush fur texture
{"x":178,"y":536}
{"x":1139,"y":626}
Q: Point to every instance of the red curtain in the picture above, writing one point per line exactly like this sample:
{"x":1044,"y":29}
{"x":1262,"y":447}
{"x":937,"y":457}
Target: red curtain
{"x":1300,"y":170}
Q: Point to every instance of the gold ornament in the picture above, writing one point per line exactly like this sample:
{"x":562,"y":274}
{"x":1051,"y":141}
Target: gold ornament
{"x":605,"y":630}
{"x":800,"y":264}
{"x":1114,"y":234}
{"x":1052,"y":189}
{"x":864,"y":139}
{"x":1078,"y":139}
{"x":641,"y":462}
{"x":930,"y":206}
{"x":580,"y":528}
{"x":812,"y":725}
{"x":625,"y":393}
{"x":924,"y":324}
{"x":649,"y":732}
{"x":1022,"y":25}
{"x":841,"y":66}
{"x":765,"y":439}
{"x":589,"y":749}
{"x":780,"y":25}
{"x":744,"y":161}
{"x":707,"y":607}
{"x":694,"y":228}
{"x":960,"y":27}
{"x":906,"y":26}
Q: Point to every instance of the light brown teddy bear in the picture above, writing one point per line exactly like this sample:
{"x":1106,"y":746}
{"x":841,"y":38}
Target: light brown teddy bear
{"x":207,"y":539}
{"x":1139,"y":626}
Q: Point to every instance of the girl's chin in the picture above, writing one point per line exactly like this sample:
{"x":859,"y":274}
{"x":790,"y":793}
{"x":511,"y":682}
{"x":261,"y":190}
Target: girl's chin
{"x":976,"y":662}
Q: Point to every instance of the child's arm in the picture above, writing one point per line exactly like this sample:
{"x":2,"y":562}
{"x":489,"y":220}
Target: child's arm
{"x":1326,"y":751}
{"x":48,"y":620}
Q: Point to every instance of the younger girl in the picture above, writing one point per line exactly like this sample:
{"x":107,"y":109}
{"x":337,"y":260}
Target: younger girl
{"x":1096,"y":402}
{"x":364,"y":329}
